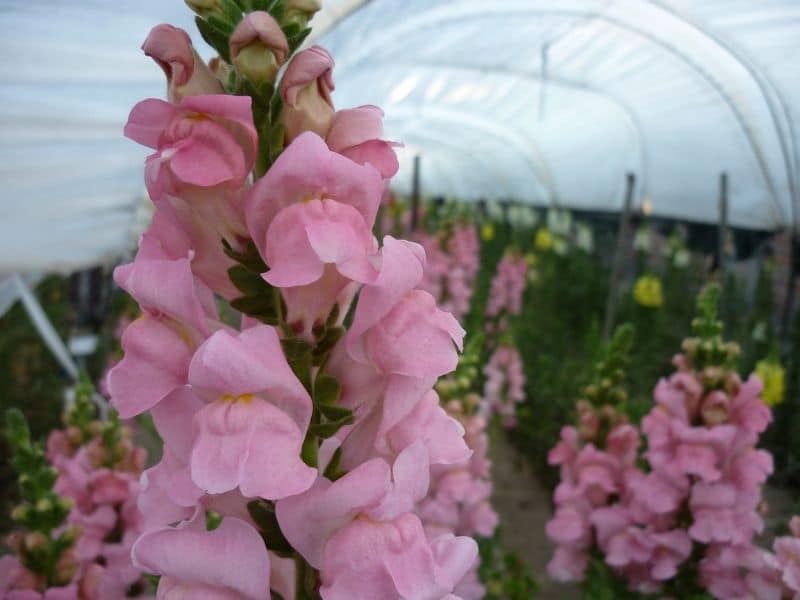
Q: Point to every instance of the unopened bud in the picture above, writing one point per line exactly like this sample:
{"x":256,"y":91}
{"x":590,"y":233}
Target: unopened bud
{"x":258,"y":47}
{"x":301,"y":11}
{"x":33,"y":541}
{"x":204,"y":8}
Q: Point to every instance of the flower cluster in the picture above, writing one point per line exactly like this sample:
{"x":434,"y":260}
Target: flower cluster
{"x":697,"y":505}
{"x":458,"y":501}
{"x":453,"y":261}
{"x":80,"y":534}
{"x":505,"y":383}
{"x":311,"y":438}
{"x":508,"y":286}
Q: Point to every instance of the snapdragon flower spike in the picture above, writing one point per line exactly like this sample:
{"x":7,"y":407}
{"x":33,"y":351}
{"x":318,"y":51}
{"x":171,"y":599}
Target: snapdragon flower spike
{"x":508,"y":286}
{"x":179,"y":312}
{"x":252,"y":396}
{"x":229,"y":562}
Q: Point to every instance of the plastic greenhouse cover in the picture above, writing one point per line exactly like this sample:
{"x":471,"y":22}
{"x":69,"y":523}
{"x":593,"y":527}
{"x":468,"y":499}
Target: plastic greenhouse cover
{"x":543,"y":102}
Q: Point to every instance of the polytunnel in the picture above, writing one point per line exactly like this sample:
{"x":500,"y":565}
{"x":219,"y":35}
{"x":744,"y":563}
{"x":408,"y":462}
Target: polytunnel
{"x":523,"y":100}
{"x":375,"y":299}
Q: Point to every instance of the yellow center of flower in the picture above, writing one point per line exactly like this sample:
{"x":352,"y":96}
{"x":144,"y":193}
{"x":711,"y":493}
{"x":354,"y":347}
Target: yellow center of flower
{"x":245,"y":398}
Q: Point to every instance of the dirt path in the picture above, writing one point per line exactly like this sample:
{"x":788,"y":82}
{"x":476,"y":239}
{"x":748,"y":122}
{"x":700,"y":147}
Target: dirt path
{"x":524,"y":508}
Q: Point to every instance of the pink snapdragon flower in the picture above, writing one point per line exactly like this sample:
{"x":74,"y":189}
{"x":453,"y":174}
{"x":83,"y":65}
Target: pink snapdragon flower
{"x":203,"y":142}
{"x":252,"y":395}
{"x":229,"y":562}
{"x":187,"y":74}
{"x":505,"y":383}
{"x":311,"y":217}
{"x":508,"y":286}
{"x":179,"y":312}
{"x":305,"y":89}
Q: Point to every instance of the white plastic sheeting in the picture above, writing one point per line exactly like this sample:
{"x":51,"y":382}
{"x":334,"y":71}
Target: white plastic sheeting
{"x":541,"y":101}
{"x":552,"y":102}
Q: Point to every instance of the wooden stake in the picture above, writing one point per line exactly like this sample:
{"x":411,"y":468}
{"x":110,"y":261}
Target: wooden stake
{"x":415,"y":194}
{"x":619,"y":257}
{"x":722,"y":259}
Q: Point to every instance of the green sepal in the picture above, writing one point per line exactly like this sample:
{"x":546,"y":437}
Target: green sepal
{"x":263,"y":513}
{"x":259,"y":307}
{"x":214,"y":37}
{"x":333,"y":470}
{"x":327,"y":390}
{"x":299,"y":356}
{"x":250,"y":258}
{"x":329,"y":429}
{"x":326,"y":344}
{"x":247,"y":281}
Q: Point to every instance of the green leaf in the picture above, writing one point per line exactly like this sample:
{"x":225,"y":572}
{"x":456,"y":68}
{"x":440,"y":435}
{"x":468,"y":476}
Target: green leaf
{"x":247,"y":281}
{"x":249,"y":258}
{"x":333,"y":471}
{"x":215,"y":38}
{"x":335,"y":413}
{"x":298,"y":355}
{"x":263,"y":513}
{"x":233,"y":11}
{"x":327,"y":390}
{"x":326,"y":344}
{"x":329,"y":429}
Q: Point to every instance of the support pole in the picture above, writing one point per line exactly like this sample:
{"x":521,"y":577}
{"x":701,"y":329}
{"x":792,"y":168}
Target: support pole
{"x":788,"y":298}
{"x":619,"y":257}
{"x":415,"y":194}
{"x":722,"y":259}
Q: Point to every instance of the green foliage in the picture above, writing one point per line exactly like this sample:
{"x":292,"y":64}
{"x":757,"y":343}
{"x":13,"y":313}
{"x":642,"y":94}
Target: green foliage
{"x":504,"y":574}
{"x":41,"y":511}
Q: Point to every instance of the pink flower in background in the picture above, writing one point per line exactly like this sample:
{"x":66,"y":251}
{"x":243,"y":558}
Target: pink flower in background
{"x":505,"y":383}
{"x":508,"y":286}
{"x":187,"y":74}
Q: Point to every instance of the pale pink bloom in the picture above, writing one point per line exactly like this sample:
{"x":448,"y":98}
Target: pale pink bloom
{"x":179,"y":312}
{"x":253,"y":395}
{"x":787,"y":550}
{"x":392,"y":559}
{"x":568,"y":564}
{"x":505,"y":382}
{"x":230,"y":562}
{"x":508,"y":286}
{"x":748,"y":410}
{"x":202,"y":142}
{"x":357,"y":134}
{"x":326,"y":204}
{"x":306,"y":88}
{"x":187,"y":74}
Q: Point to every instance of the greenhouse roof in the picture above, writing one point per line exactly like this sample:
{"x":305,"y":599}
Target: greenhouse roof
{"x":538,"y":101}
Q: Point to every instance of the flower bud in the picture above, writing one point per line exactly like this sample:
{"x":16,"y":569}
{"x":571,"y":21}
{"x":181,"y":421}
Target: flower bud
{"x":187,"y":74}
{"x":204,"y":8}
{"x":33,"y":541}
{"x":301,"y":11}
{"x":258,"y":47}
{"x":306,"y":92}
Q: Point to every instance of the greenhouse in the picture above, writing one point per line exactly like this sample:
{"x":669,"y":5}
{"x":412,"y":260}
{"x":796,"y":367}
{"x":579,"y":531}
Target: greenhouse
{"x":400,"y":300}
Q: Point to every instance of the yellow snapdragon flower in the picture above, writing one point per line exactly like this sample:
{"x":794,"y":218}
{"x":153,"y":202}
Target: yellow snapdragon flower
{"x":544,"y":240}
{"x":773,"y":376}
{"x":487,"y":232}
{"x":648,"y":292}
